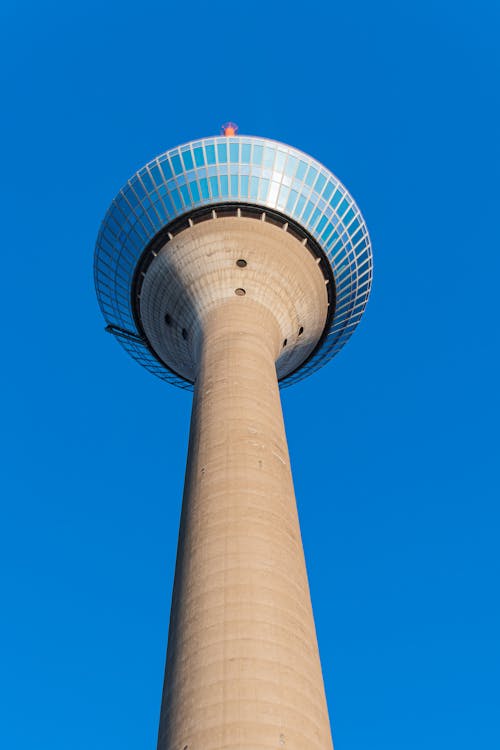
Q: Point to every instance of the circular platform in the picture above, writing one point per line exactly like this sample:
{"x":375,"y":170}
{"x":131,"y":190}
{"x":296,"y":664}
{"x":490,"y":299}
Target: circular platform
{"x":219,"y":259}
{"x":183,"y":200}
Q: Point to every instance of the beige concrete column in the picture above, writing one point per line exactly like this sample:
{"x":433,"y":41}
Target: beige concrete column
{"x":243,"y":669}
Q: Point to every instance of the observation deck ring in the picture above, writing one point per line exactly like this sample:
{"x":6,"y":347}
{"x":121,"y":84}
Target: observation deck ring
{"x":224,"y":170}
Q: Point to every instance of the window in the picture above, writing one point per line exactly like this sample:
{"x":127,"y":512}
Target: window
{"x":222,"y":153}
{"x":210,"y":151}
{"x":176,"y":163}
{"x":233,"y":152}
{"x":188,"y":160}
{"x":198,"y":157}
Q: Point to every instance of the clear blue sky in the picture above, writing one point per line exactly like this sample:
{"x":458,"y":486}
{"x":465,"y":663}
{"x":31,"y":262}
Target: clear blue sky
{"x":394,"y":444}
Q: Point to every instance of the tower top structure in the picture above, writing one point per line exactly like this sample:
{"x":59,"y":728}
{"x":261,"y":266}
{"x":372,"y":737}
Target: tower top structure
{"x":160,"y":262}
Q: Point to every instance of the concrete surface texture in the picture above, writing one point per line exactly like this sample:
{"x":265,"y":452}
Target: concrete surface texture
{"x":243,"y":669}
{"x":197,"y":269}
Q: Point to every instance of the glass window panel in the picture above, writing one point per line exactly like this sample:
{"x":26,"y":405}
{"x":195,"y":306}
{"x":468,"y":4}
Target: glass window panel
{"x":139,"y":190}
{"x":222,"y":152}
{"x":214,"y":187}
{"x":159,"y":208}
{"x":113,"y":224}
{"x":291,"y":200}
{"x":273,"y":192}
{"x":263,"y":188}
{"x":198,"y":157}
{"x":342,"y":207}
{"x":356,"y":237}
{"x":327,"y":231}
{"x":362,"y":255}
{"x":234,"y":185}
{"x":336,"y":198}
{"x":185,"y":195}
{"x":301,"y":170}
{"x":333,"y":240}
{"x":139,"y":211}
{"x":168,"y":204}
{"x":165,"y":168}
{"x":147,"y":181}
{"x":337,"y":245}
{"x":364,"y":287}
{"x":187,"y":159}
{"x":283,"y":196}
{"x":245,"y":153}
{"x":307,"y":211}
{"x":340,"y":262}
{"x":176,"y":163}
{"x":320,"y":182}
{"x":347,"y":218}
{"x":269,"y":154}
{"x":291,"y":166}
{"x":233,"y":152}
{"x":157,"y":175}
{"x":122,"y":204}
{"x":300,"y":206}
{"x":224,"y":189}
{"x":315,"y":217}
{"x":131,"y":201}
{"x":321,"y":224}
{"x":195,"y":191}
{"x":210,"y":151}
{"x":322,"y":205}
{"x":254,"y":187}
{"x":244,"y":185}
{"x":176,"y":199}
{"x":135,"y":236}
{"x":280,"y":161}
{"x":364,"y":267}
{"x":204,"y":188}
{"x":311,"y":176}
{"x":257,"y":154}
{"x":328,"y":191}
{"x":152,"y":216}
{"x":140,"y":231}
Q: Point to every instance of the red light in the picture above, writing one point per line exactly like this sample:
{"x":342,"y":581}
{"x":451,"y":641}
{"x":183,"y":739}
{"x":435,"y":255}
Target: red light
{"x":229,"y":128}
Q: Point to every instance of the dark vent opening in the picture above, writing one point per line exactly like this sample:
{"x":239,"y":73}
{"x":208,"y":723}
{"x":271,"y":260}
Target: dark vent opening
{"x":226,"y":210}
{"x":276,"y":220}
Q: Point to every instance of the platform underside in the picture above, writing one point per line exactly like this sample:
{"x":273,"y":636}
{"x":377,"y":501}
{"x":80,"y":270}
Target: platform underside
{"x":223,"y":257}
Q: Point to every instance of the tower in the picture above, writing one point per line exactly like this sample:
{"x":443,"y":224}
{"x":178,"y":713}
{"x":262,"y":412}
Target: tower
{"x":233,"y":266}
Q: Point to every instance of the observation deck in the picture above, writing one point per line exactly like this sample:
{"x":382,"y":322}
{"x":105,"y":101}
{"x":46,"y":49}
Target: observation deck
{"x":171,"y":207}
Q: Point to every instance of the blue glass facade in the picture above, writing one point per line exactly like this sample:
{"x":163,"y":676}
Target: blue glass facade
{"x":237,"y":169}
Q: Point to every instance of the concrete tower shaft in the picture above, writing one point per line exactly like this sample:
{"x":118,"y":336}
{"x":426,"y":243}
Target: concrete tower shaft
{"x":243,"y":669}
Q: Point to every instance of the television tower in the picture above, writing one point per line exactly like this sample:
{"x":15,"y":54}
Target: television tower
{"x":231,"y":266}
